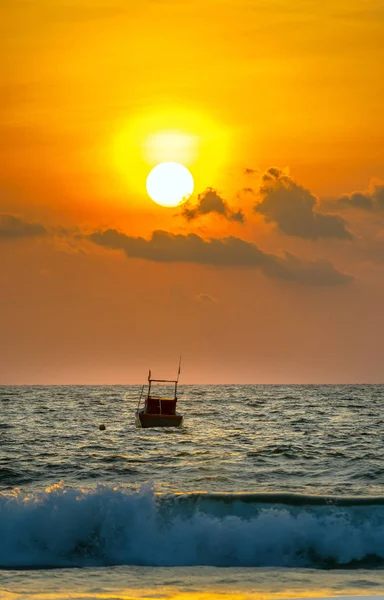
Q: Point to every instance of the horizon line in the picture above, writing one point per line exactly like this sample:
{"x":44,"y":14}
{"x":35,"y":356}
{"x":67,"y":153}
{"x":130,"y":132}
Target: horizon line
{"x":188,"y":384}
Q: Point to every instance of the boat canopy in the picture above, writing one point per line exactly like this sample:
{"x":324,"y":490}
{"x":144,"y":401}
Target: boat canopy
{"x":160,"y":406}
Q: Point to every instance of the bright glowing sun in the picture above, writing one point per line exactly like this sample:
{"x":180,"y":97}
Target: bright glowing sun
{"x":169,"y":184}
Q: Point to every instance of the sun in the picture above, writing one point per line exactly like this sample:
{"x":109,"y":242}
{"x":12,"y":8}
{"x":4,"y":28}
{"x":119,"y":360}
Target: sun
{"x":170,"y":184}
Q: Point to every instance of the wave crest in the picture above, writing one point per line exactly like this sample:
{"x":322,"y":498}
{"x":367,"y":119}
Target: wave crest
{"x":64,"y":527}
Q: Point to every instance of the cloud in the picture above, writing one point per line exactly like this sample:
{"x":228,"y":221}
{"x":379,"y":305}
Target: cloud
{"x":206,"y":299}
{"x":291,"y":207}
{"x":166,"y":247}
{"x":372,"y":199}
{"x":208,"y":202}
{"x":14,"y":227}
{"x":309,"y":272}
{"x":250,"y":171}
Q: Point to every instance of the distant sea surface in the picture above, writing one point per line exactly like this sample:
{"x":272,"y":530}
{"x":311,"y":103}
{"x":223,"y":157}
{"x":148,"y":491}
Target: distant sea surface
{"x":266,"y":491}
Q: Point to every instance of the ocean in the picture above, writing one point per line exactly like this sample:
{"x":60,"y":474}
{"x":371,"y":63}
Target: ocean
{"x":267,"y":491}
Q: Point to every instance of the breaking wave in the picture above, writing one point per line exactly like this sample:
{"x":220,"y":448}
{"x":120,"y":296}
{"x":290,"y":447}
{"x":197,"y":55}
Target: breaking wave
{"x":64,"y":527}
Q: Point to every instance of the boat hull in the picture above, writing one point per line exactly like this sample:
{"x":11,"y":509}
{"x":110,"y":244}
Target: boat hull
{"x":146,"y":420}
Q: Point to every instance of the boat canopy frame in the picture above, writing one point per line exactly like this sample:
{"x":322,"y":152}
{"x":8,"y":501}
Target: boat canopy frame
{"x":175,"y":382}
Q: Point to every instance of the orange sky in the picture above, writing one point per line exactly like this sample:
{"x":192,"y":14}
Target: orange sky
{"x":282,"y":282}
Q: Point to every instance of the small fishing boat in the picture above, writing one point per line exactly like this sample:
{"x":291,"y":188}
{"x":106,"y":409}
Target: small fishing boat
{"x":159,"y":411}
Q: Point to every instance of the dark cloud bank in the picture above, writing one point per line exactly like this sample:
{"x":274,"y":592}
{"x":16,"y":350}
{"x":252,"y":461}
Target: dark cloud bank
{"x":166,"y":247}
{"x":291,"y":207}
{"x":14,"y":227}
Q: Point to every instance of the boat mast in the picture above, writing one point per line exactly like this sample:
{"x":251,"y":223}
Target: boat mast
{"x":149,"y":383}
{"x":178,"y":375}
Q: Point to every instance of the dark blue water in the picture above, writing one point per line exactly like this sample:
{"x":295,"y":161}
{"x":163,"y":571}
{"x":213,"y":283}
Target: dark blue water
{"x":305,"y":439}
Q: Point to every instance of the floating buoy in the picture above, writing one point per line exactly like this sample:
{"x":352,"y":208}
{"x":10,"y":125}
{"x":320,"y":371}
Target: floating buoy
{"x":102,"y":427}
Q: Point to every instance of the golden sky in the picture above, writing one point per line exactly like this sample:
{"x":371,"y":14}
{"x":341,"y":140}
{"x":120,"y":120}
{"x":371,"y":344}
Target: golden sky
{"x":272,"y":271}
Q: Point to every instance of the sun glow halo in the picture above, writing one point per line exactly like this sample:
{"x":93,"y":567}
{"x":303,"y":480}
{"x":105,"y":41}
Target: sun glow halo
{"x":182,"y":135}
{"x":169,"y":184}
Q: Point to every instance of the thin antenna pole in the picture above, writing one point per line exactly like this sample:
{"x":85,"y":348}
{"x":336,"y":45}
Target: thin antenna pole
{"x":178,"y":375}
{"x":141,"y":393}
{"x":149,"y":384}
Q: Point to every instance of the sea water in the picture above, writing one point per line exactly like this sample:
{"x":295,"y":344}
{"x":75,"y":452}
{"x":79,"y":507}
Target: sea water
{"x":266,"y":491}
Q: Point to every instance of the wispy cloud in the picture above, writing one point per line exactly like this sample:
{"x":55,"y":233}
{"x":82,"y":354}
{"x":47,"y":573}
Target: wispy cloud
{"x":206,"y":299}
{"x":372,"y":199}
{"x":208,"y":202}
